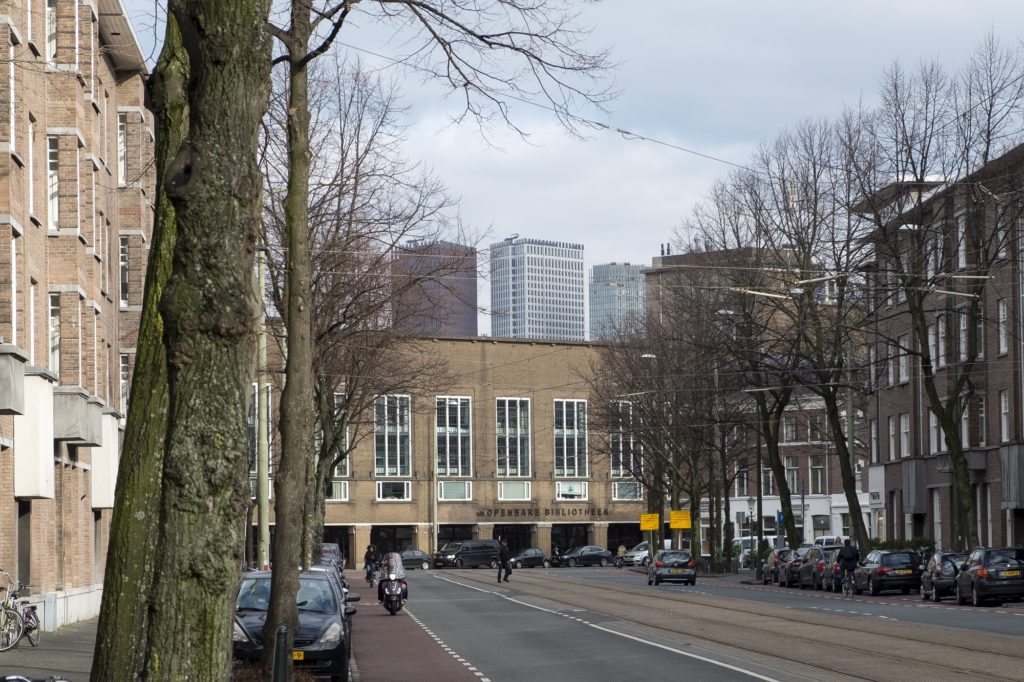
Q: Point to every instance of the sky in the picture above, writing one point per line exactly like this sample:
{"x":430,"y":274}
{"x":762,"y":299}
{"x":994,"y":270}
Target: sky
{"x":717,"y":77}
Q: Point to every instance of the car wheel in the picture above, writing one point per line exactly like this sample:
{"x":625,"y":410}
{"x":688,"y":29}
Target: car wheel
{"x":960,"y":600}
{"x":935,"y":594}
{"x":547,"y":564}
{"x":646,"y":561}
{"x":874,"y":589}
{"x":572,"y":563}
{"x":976,"y":599}
{"x":604,"y":562}
{"x":425,"y":565}
{"x":493,"y":564}
{"x":519,"y":564}
{"x":458,"y":563}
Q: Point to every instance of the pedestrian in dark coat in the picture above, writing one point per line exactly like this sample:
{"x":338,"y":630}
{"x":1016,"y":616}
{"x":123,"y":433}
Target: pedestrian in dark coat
{"x":504,"y":561}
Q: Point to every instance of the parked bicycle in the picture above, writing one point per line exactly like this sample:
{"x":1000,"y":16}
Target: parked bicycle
{"x":18,"y":618}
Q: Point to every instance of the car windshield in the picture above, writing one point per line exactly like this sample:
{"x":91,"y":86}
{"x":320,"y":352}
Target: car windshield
{"x":313,"y":595}
{"x":675,"y":556}
{"x":1006,"y":557}
{"x":642,"y":547}
{"x":898,"y":559}
{"x":800,"y":553}
{"x":450,"y":546}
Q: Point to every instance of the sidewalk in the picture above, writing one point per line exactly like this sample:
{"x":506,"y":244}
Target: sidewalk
{"x":66,"y":653}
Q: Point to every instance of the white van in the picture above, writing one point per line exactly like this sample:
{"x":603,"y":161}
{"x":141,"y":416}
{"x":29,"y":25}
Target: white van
{"x":639,"y":555}
{"x":830,"y":540}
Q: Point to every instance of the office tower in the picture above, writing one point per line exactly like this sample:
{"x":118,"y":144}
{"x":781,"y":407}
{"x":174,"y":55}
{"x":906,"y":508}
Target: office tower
{"x":616,"y":298}
{"x":442,"y":300}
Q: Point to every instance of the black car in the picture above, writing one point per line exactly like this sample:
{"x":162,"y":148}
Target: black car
{"x":415,"y":558}
{"x":468,"y":554}
{"x":770,"y":567}
{"x":321,"y":646}
{"x":888,"y":569}
{"x":789,"y":570}
{"x":585,"y":555}
{"x":672,"y":565}
{"x":815,"y":569}
{"x":938,"y":578}
{"x":531,"y":557}
{"x":991,"y":575}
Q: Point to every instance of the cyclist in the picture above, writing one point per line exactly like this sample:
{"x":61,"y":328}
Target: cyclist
{"x":370,"y":563}
{"x":848,"y":558}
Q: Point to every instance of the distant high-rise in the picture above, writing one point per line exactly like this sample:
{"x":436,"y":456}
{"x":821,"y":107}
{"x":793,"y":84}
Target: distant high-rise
{"x":616,"y":298}
{"x":537,"y":289}
{"x":443,"y":302}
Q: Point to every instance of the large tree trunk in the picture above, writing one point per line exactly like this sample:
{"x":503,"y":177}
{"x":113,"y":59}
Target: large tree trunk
{"x":294,"y":472}
{"x":209,"y":314}
{"x":839,"y":437}
{"x":121,"y":634}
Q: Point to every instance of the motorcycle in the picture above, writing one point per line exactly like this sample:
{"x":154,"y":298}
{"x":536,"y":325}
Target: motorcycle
{"x":392,"y":594}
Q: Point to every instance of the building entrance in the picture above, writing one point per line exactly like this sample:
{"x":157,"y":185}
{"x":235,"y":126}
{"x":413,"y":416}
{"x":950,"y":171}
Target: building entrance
{"x":567,"y":535}
{"x":627,"y":534}
{"x":518,"y":536}
{"x":392,"y":538}
{"x":450,"y":533}
{"x":343,"y":536}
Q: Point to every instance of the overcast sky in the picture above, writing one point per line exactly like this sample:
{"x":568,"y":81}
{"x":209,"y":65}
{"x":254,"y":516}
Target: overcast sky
{"x":714,"y":76}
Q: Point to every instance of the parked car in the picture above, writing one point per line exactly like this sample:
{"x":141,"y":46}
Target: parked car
{"x":584,"y":555}
{"x":938,"y":577}
{"x":672,"y":565}
{"x":322,"y":645}
{"x":468,"y":553}
{"x":415,"y":558}
{"x":991,"y":574}
{"x":789,"y":570}
{"x":770,"y":567}
{"x":333,"y":550}
{"x":888,"y":569}
{"x":815,"y":570}
{"x":640,"y":555}
{"x":829,"y":540}
{"x":833,"y":573}
{"x":531,"y":557}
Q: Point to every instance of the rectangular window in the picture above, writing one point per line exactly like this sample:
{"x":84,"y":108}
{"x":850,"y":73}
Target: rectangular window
{"x":29,"y":10}
{"x":892,"y":438}
{"x":30,"y":166}
{"x":123,"y":270}
{"x":14,"y":287}
{"x":32,"y":322}
{"x":817,"y":474}
{"x":51,"y":30}
{"x":122,"y":148}
{"x":873,"y":435}
{"x":12,"y":122}
{"x":454,"y":490}
{"x":979,"y":333}
{"x":1002,"y":234}
{"x":571,"y":490}
{"x":55,"y":333}
{"x":1004,"y":327}
{"x":392,"y":442}
{"x":571,"y":438}
{"x":394,"y":491}
{"x":940,"y":325}
{"x":814,"y":431}
{"x":625,"y":454}
{"x":931,"y":344}
{"x":125,"y":383}
{"x":934,"y":433}
{"x":452,"y":431}
{"x":53,"y":181}
{"x":514,"y":491}
{"x":513,"y":434}
{"x":904,"y":362}
{"x":337,"y":491}
{"x":982,"y":421}
{"x":959,"y":247}
{"x":961,"y":315}
{"x":1004,"y":416}
{"x":628,"y":490}
{"x":767,"y":482}
{"x":890,"y":365}
{"x":872,"y":368}
{"x":905,"y":434}
{"x":789,"y":429}
{"x":793,"y":473}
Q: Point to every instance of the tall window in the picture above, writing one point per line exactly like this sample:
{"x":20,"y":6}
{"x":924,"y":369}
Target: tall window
{"x":905,"y":434}
{"x":767,"y":481}
{"x":12,"y":122}
{"x":961,"y":314}
{"x":892,"y":437}
{"x":789,"y":429}
{"x":624,"y":448}
{"x":982,"y":421}
{"x":29,"y":10}
{"x":570,"y":438}
{"x":934,"y":433}
{"x":872,"y":367}
{"x":51,"y":30}
{"x":979,"y":334}
{"x":32,"y":322}
{"x":453,"y":436}
{"x":1004,"y":416}
{"x":55,"y":333}
{"x":742,"y":487}
{"x":125,"y":385}
{"x":122,"y":147}
{"x":392,"y":445}
{"x":817,"y":474}
{"x":123,"y":269}
{"x":959,"y":247}
{"x":965,"y":424}
{"x":1004,"y":327}
{"x":873,"y":435}
{"x":890,"y":365}
{"x":940,"y":325}
{"x":931,"y":345}
{"x":904,"y":351}
{"x":1002,"y":234}
{"x":30,"y":176}
{"x":793,"y":473}
{"x":513,"y":431}
{"x":53,"y":181}
{"x":14,"y":287}
{"x":814,"y":431}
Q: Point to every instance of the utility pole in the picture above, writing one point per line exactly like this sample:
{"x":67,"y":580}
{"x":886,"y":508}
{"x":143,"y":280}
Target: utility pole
{"x":262,"y":422}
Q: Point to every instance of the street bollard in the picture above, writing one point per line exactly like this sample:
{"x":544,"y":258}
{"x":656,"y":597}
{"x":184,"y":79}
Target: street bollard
{"x":281,"y":654}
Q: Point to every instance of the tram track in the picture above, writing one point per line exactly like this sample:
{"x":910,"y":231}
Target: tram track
{"x":858,"y":646}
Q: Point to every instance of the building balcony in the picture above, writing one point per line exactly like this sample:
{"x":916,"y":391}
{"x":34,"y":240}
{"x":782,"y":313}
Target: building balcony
{"x":33,"y":445}
{"x":12,"y":379}
{"x":77,"y":416}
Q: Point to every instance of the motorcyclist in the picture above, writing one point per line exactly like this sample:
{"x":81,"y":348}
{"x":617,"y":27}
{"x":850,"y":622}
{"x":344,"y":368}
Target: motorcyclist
{"x":392,"y":564}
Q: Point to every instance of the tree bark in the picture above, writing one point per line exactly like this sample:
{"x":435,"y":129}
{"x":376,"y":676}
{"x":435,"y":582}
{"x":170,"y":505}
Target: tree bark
{"x":858,"y":529}
{"x":209,"y":315}
{"x":134,"y":530}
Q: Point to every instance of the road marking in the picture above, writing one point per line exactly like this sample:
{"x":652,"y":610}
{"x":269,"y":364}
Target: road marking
{"x":447,"y":649}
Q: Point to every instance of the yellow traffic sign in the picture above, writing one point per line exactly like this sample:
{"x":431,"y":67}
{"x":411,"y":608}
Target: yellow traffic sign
{"x":679,"y":518}
{"x":650,"y":521}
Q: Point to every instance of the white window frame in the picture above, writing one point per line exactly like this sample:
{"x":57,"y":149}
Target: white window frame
{"x":789,"y":429}
{"x":122,"y":285}
{"x":904,"y":435}
{"x":1004,"y":416}
{"x":407,"y":491}
{"x":892,"y":437}
{"x":982,"y":421}
{"x":767,"y":481}
{"x":576,"y":464}
{"x":960,"y":250}
{"x":122,"y":148}
{"x":1002,"y":234}
{"x":125,"y":384}
{"x":337,"y":491}
{"x":30,"y":176}
{"x":576,"y":491}
{"x":873,"y":436}
{"x":1004,"y":330}
{"x":13,"y":122}
{"x":463,"y":491}
{"x":961,"y":314}
{"x":792,"y":464}
{"x":517,"y":437}
{"x":504,"y":488}
{"x":965,"y":425}
{"x":630,"y":491}
{"x":934,"y":434}
{"x":932,"y":345}
{"x":940,"y":325}
{"x":904,"y":359}
{"x":51,"y":31}
{"x":816,"y":464}
{"x":32,"y":321}
{"x":463,"y":464}
{"x":890,"y":365}
{"x":402,"y":461}
{"x":53,"y":181}
{"x":54,"y":335}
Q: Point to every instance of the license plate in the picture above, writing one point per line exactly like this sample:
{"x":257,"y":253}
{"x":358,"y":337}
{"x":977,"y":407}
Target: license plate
{"x":1009,"y":574}
{"x":675,"y":570}
{"x":905,"y":571}
{"x":298,"y":655}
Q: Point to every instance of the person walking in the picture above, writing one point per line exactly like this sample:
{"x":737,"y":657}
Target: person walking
{"x":504,"y":561}
{"x":620,"y":556}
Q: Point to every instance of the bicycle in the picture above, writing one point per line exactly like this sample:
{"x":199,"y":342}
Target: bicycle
{"x":848,"y":584}
{"x":26,"y":614}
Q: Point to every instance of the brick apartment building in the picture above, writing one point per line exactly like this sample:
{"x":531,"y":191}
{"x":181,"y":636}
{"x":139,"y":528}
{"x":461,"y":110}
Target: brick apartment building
{"x":75,"y":218}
